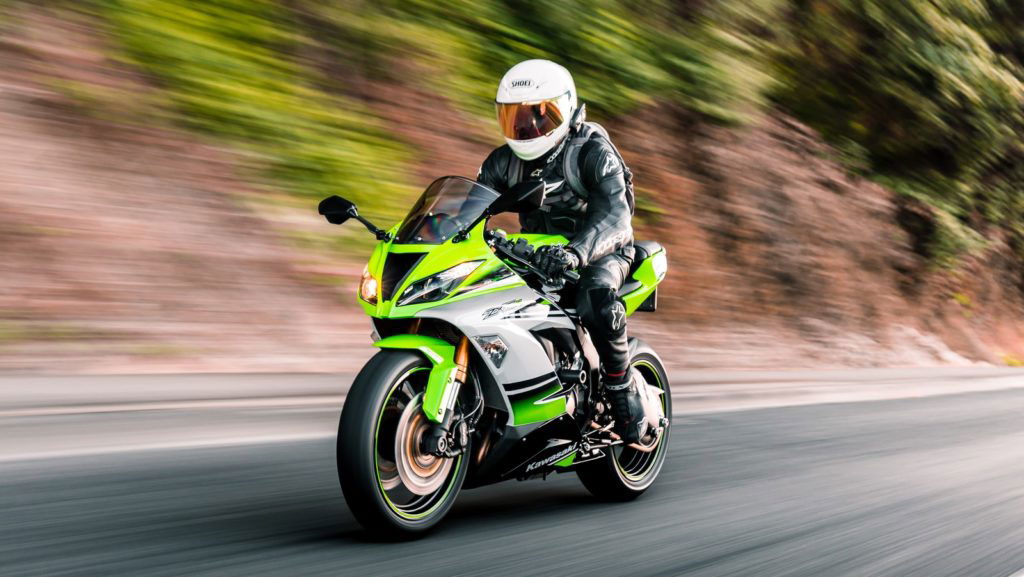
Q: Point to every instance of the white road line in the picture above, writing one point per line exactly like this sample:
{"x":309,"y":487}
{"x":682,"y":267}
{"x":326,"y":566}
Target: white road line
{"x":303,"y":401}
{"x":142,"y":447}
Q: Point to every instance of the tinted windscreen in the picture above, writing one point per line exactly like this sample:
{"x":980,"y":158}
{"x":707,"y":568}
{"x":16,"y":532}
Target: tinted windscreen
{"x":448,"y":204}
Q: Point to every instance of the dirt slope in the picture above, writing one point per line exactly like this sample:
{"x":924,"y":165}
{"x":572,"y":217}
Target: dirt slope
{"x":124,"y":247}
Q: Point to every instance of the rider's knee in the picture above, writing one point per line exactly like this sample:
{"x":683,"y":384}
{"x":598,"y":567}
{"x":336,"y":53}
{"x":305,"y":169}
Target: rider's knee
{"x":603,"y":311}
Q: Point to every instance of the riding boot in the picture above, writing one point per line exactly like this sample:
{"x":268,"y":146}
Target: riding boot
{"x":623,"y":391}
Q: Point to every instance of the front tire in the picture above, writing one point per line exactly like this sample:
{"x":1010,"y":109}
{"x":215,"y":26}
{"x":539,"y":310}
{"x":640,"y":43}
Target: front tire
{"x":392,"y":488}
{"x":625,"y":473}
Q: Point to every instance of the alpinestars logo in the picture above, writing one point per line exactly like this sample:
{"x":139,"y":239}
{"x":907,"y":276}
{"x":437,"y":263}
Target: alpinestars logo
{"x":553,"y":186}
{"x":618,"y":315}
{"x":610,"y":165}
{"x":610,"y":242}
{"x":558,"y":150}
{"x":553,"y":458}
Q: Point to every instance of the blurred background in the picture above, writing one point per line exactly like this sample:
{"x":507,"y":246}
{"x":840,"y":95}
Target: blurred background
{"x":839,"y":182}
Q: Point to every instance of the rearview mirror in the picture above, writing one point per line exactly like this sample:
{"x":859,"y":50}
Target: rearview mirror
{"x":527,"y":195}
{"x":337,"y":210}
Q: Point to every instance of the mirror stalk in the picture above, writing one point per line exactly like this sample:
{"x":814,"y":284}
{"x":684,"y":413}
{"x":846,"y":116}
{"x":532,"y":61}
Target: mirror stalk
{"x":381,"y":234}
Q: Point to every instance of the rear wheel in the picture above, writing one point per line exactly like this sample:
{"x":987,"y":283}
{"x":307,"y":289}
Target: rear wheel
{"x":627,"y":471}
{"x":393,"y":488}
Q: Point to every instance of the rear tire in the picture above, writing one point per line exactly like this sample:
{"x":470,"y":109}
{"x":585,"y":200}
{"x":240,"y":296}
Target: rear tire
{"x":374,"y":412}
{"x":625,"y":473}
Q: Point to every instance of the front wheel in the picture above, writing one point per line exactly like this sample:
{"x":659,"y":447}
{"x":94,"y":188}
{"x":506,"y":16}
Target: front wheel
{"x":392,"y":487}
{"x":626,"y":472}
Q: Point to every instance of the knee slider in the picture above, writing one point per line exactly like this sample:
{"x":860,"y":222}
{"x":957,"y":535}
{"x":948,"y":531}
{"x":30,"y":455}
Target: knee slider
{"x":605,"y":312}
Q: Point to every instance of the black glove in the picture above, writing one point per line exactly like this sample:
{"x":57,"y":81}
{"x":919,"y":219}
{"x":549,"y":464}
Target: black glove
{"x":555,"y":260}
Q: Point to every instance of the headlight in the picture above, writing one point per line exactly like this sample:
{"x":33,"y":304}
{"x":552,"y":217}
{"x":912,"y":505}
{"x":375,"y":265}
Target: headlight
{"x":368,"y":287}
{"x":438,"y":286}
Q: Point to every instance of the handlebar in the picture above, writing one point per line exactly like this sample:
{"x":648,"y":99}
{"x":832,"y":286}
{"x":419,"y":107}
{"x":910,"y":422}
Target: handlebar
{"x":523,"y":253}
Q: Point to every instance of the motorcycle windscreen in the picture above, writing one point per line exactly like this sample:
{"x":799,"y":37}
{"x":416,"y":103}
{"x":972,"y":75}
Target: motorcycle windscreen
{"x":448,"y":205}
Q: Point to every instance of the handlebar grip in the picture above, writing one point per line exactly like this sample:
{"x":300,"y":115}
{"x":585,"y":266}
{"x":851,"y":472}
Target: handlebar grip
{"x":572,"y":275}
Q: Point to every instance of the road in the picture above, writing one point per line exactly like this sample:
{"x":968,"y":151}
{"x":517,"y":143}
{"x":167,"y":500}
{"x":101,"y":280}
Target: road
{"x":930,"y":486}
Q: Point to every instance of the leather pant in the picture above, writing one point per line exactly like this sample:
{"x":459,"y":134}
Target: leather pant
{"x":602,"y":311}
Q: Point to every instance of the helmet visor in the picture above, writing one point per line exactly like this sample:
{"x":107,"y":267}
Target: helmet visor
{"x":529,"y":120}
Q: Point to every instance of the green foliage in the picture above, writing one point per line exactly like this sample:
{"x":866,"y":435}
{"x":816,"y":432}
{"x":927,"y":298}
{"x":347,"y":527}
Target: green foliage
{"x":925,"y":96}
{"x":229,"y":68}
{"x":918,"y":87}
{"x":622,"y":54}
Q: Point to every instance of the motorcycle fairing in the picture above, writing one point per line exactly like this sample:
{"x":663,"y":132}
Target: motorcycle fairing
{"x":507,"y":308}
{"x":648,"y":273}
{"x":440,"y":392}
{"x":434,"y":259}
{"x":526,"y":378}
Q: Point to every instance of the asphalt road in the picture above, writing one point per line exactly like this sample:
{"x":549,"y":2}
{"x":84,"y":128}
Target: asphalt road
{"x":926,"y":487}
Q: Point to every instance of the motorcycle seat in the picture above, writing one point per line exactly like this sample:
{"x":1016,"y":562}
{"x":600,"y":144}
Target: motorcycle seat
{"x":643,"y":250}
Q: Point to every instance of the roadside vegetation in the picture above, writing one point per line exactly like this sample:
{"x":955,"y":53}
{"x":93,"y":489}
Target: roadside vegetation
{"x":923,"y":96}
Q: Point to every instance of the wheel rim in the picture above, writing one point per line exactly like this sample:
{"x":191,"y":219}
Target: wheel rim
{"x":413,"y":484}
{"x":421,"y":473}
{"x":633,"y":464}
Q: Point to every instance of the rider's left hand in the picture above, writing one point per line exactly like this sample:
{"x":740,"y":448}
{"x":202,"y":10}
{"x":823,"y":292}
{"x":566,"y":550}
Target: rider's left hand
{"x":555,"y":260}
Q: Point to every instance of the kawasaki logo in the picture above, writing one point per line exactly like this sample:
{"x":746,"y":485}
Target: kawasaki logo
{"x":553,"y":458}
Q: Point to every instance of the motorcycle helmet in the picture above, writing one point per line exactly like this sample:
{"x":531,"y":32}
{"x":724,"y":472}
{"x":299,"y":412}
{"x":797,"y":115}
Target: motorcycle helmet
{"x":535,"y":103}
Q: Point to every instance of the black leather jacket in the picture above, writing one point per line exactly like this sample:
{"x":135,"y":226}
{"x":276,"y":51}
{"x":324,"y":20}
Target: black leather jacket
{"x":597,"y":225}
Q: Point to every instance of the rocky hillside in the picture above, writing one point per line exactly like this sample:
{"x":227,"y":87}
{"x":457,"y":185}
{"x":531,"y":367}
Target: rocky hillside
{"x":130,"y":242}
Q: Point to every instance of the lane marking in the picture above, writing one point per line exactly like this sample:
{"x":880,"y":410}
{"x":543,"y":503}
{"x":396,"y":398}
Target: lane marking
{"x":145,"y":447}
{"x":301,"y":401}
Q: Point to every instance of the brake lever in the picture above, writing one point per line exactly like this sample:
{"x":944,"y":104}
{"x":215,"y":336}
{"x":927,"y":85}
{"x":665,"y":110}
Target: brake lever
{"x":523,"y":253}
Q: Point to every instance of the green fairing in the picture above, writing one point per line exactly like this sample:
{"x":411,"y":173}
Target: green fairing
{"x":569,"y":460}
{"x":442,"y":375}
{"x":436,"y":258}
{"x":541,"y":239}
{"x":649,"y":280}
{"x":536,"y":409}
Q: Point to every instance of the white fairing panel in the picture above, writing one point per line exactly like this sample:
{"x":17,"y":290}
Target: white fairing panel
{"x":510,"y":314}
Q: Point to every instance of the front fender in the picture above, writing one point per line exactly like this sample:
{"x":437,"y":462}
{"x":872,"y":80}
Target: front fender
{"x":441,"y":389}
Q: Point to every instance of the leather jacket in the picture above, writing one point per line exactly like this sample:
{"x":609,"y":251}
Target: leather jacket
{"x":596,"y":225}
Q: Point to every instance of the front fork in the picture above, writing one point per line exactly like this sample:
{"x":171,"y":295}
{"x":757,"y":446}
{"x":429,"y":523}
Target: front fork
{"x":441,"y":440}
{"x":448,"y":374}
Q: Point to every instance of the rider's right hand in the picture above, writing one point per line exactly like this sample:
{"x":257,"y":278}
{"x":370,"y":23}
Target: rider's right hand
{"x":555,"y":260}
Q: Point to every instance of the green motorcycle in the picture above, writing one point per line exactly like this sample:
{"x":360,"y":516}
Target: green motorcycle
{"x":485,"y":373}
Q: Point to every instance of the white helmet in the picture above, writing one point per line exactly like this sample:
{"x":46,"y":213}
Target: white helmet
{"x":536,"y":100}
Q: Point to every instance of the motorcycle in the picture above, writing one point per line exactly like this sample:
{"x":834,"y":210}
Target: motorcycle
{"x":485,"y":373}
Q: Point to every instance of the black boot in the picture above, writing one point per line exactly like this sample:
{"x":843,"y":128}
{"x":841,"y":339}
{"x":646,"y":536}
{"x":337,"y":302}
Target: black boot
{"x":628,"y":409}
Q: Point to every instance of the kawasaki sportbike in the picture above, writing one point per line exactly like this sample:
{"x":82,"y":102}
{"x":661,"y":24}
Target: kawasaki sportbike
{"x":485,"y":373}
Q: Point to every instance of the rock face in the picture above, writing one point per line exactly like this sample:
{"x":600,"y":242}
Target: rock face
{"x":127,"y":247}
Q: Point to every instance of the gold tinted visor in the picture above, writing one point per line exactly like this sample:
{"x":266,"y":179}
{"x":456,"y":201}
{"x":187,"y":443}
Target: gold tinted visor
{"x":529,"y":120}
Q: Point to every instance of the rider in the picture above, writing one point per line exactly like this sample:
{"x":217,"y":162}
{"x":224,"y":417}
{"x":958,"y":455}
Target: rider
{"x":537,"y":113}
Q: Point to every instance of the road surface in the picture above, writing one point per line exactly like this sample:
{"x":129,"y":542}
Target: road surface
{"x":929,"y":486}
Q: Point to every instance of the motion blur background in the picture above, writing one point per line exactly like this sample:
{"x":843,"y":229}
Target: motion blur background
{"x":839,"y":182}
